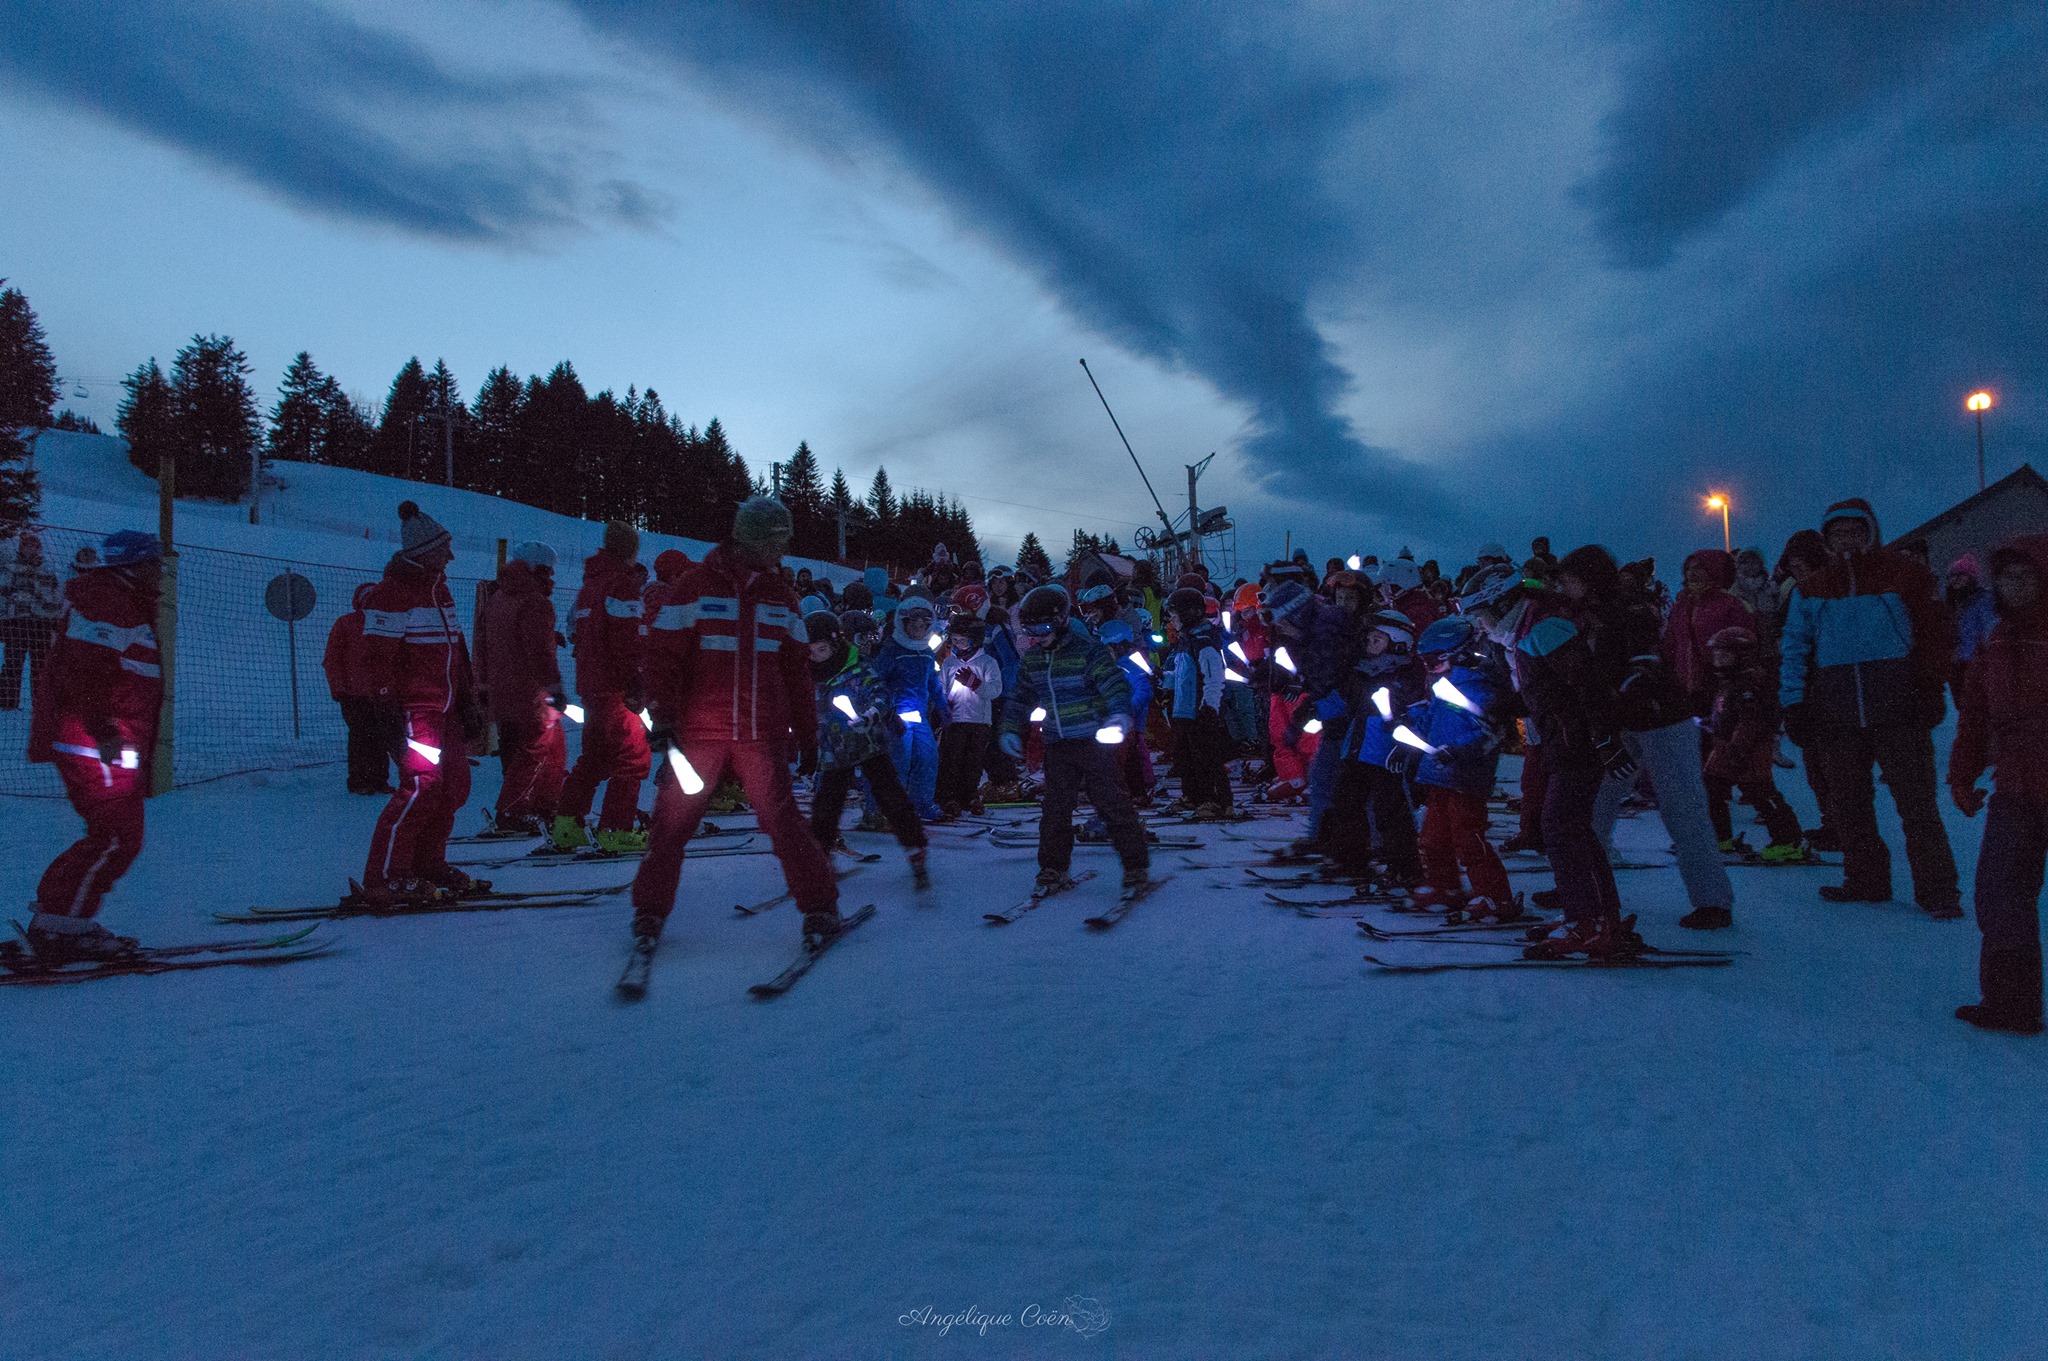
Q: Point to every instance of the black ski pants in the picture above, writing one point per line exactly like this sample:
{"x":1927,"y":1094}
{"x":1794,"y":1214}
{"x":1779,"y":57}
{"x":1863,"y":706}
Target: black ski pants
{"x":1071,"y":766}
{"x":829,"y":801}
{"x":1199,"y":744}
{"x":1585,"y":878}
{"x":1371,"y":809}
{"x":1904,"y":754}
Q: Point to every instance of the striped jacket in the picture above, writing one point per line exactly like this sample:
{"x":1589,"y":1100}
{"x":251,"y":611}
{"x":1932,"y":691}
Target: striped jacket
{"x":1076,"y":681}
{"x":104,"y":676}
{"x":606,"y":624}
{"x":726,"y":656}
{"x":412,"y":651}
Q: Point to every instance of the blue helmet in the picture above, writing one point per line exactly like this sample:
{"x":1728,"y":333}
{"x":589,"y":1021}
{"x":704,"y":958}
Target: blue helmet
{"x":1446,"y":635}
{"x":1115,"y":633}
{"x":126,"y":547}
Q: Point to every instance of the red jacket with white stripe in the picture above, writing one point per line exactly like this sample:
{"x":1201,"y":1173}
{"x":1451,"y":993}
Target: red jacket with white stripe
{"x":104,"y":678}
{"x":412,"y":652}
{"x":727,"y":658}
{"x":606,"y":623}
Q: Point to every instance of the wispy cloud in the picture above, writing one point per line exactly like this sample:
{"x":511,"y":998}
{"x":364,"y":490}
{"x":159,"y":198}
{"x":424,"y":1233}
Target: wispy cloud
{"x":336,"y":117}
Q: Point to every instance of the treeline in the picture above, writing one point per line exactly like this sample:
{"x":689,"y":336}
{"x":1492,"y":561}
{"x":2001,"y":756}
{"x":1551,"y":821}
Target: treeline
{"x":544,"y":441}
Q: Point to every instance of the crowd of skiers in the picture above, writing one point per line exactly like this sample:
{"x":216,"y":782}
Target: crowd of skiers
{"x":1363,"y":692}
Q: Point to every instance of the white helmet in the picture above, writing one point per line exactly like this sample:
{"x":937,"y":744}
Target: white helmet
{"x":533,"y":554}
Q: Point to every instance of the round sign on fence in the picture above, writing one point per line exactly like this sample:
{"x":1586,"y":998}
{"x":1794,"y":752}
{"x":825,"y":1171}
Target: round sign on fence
{"x":289,"y":596}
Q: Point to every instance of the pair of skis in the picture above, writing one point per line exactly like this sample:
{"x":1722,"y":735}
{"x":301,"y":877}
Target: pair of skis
{"x":1125,"y":902}
{"x":20,"y":966}
{"x":632,"y":984}
{"x":482,"y":902}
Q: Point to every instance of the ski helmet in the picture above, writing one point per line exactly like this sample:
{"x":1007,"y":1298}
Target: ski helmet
{"x":1116,"y":633}
{"x":1188,"y":605}
{"x":863,"y":628}
{"x":533,"y":554}
{"x":1448,"y":634}
{"x":968,"y":629}
{"x":823,"y":626}
{"x":1044,"y":612}
{"x":1285,"y":600}
{"x":1487,"y":585}
{"x":1399,"y":630}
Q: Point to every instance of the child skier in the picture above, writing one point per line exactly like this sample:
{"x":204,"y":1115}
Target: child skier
{"x":1199,"y":741}
{"x":1744,"y":728}
{"x":1468,"y":697}
{"x":971,"y":681}
{"x":1087,"y":710}
{"x":854,"y":732}
{"x":1135,"y":762}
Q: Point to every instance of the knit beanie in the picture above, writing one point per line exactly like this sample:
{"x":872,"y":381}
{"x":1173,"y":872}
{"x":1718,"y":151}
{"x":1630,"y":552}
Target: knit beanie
{"x":762,"y":521}
{"x":418,"y":532}
{"x":622,"y":540}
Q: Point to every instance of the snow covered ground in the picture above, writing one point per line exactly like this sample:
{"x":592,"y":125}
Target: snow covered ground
{"x":1214,"y":1122}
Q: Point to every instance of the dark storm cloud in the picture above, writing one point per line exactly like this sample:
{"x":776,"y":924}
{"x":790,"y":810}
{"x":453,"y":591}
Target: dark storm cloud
{"x":336,"y":117}
{"x":1162,"y":167}
{"x":1715,"y":97}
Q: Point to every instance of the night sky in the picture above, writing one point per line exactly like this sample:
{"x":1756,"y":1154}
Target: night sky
{"x":1424,"y":275}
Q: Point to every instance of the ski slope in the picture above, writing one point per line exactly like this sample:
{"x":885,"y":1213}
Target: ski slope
{"x":1212,"y":1127}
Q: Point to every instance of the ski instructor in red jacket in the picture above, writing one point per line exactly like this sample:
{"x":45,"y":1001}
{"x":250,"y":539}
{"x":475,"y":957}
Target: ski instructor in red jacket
{"x":95,"y":720}
{"x":412,"y":656}
{"x":729,"y":680}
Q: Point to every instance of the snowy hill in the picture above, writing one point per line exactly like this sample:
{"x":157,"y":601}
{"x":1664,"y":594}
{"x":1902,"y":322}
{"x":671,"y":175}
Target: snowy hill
{"x":321,"y":514}
{"x":250,"y":694}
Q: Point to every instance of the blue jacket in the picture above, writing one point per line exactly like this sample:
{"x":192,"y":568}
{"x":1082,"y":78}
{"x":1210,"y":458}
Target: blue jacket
{"x":1194,"y":666}
{"x":1001,"y":646}
{"x":1141,"y":687}
{"x":1076,"y":682}
{"x":1373,"y":740}
{"x":1867,"y":644}
{"x":1468,"y":744}
{"x":911,"y":675}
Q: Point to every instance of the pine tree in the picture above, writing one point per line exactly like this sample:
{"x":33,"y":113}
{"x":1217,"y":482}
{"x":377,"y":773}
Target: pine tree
{"x":1031,"y":557}
{"x":816,"y":536}
{"x":28,"y":372}
{"x":442,"y":432}
{"x":298,"y":422}
{"x":216,"y":428}
{"x":881,"y":498}
{"x":494,"y":437}
{"x":19,"y":493}
{"x":148,"y":417}
{"x":345,"y":427}
{"x":550,"y":455}
{"x":394,"y":450}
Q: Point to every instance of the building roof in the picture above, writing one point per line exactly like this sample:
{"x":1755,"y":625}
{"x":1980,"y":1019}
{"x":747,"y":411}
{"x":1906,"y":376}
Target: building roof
{"x":2022,"y":476}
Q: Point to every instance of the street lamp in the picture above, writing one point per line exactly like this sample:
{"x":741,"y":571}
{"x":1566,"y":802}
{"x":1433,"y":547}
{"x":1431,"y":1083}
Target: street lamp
{"x":1979,"y":403}
{"x":1719,"y":501}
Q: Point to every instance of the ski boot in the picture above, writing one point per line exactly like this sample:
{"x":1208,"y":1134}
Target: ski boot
{"x":395,"y":895}
{"x":920,"y":868}
{"x":1136,"y":879}
{"x":515,"y":825}
{"x":1549,"y":899}
{"x":1708,"y":918}
{"x":1500,"y":913}
{"x":1599,"y":940}
{"x":456,"y":883}
{"x":871,"y":822}
{"x":1824,"y":839}
{"x":69,"y":940}
{"x":822,"y":928}
{"x":1051,"y":881}
{"x":1984,"y":1016}
{"x":568,"y":834}
{"x":628,"y":841}
{"x":1943,"y":912}
{"x":1522,"y":845}
{"x":1733,"y":845}
{"x":1451,"y":904}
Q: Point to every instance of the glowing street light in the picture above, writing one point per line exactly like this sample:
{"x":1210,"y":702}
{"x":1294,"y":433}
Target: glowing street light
{"x":1719,"y":501}
{"x":1978,"y":404}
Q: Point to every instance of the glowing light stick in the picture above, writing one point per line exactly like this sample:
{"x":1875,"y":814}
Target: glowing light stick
{"x":1138,"y":659}
{"x":686,"y":774}
{"x":573,"y":712}
{"x":1280,"y":656}
{"x":1407,"y":738}
{"x":433,"y":754}
{"x":1038,"y":714}
{"x":1451,"y":694}
{"x":1383,"y":700}
{"x":1312,"y":727}
{"x":845,"y":706}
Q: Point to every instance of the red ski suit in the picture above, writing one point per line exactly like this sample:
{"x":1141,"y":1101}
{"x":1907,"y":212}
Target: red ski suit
{"x":521,"y":676}
{"x":104,"y":692}
{"x":608,"y":625}
{"x":412,"y":656}
{"x":728,"y":672}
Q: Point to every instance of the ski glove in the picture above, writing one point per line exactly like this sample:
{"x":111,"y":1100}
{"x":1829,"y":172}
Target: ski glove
{"x":1401,"y":760}
{"x":1615,"y":757}
{"x":1012,"y":746}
